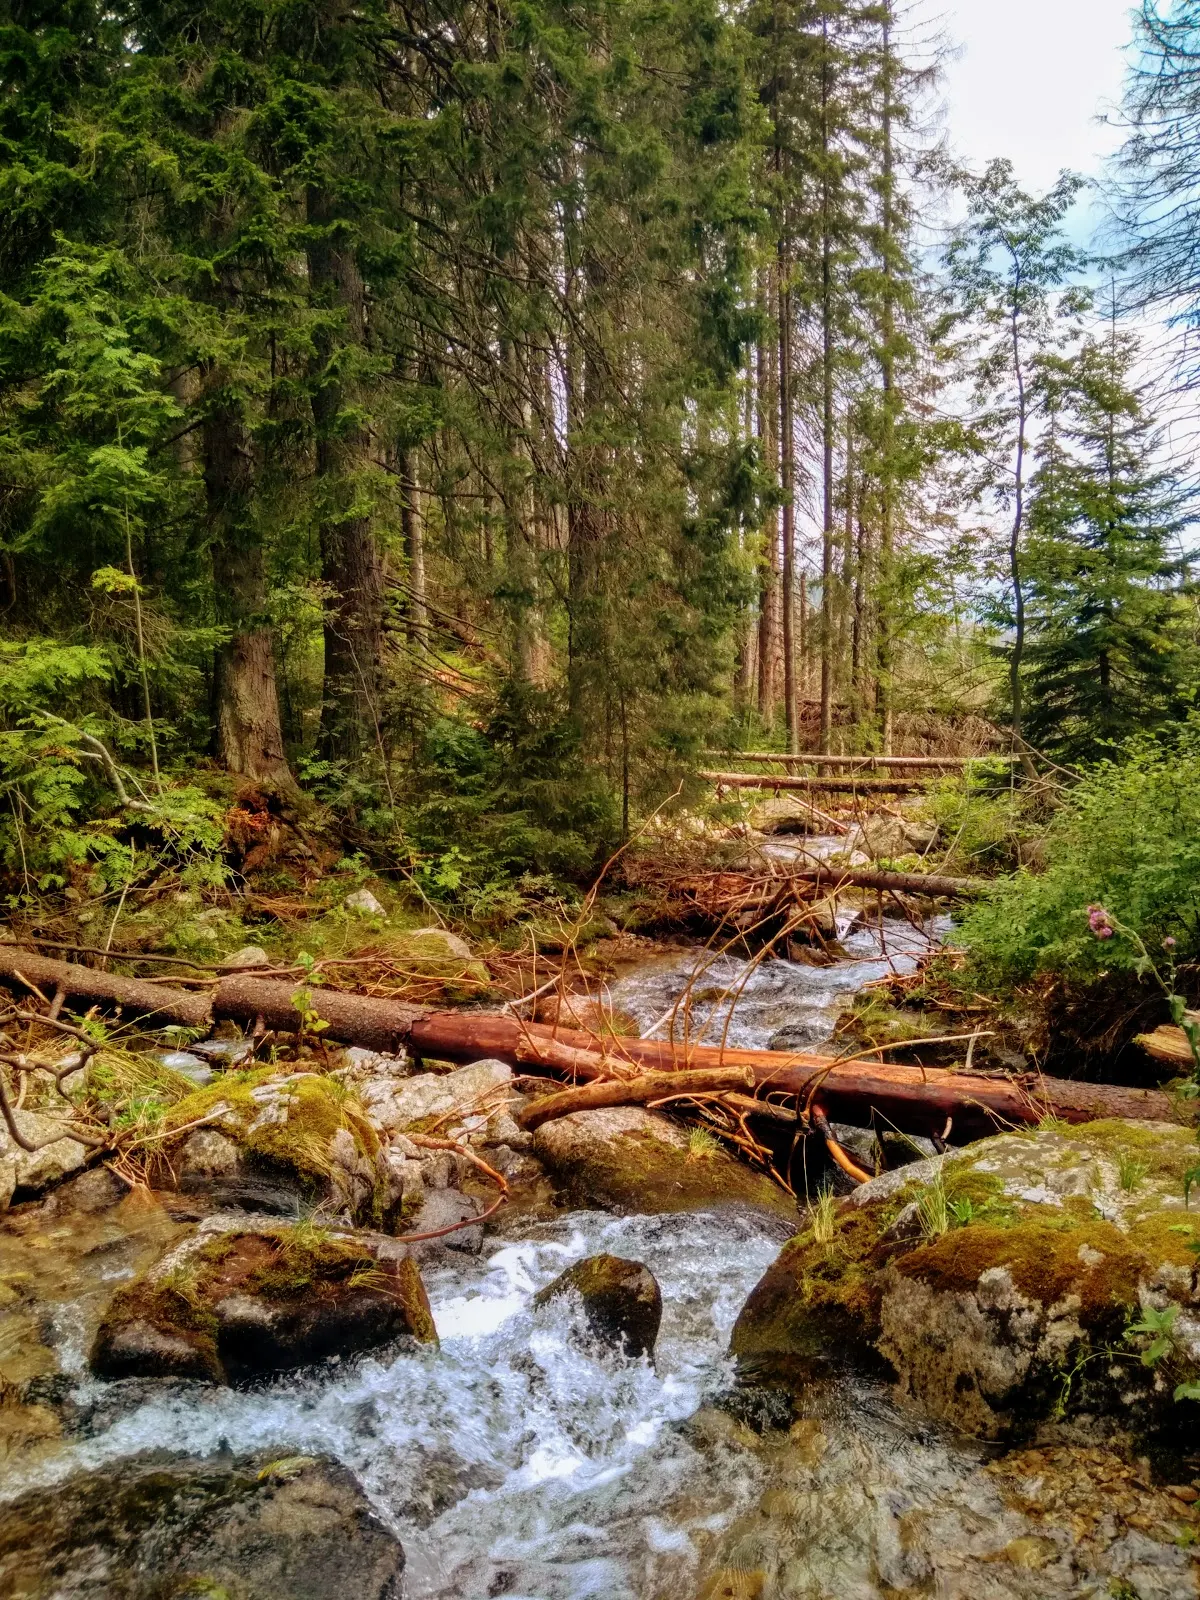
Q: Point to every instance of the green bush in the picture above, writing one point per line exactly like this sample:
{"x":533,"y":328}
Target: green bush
{"x":1128,"y":838}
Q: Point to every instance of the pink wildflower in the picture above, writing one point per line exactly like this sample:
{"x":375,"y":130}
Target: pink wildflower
{"x":1099,"y":923}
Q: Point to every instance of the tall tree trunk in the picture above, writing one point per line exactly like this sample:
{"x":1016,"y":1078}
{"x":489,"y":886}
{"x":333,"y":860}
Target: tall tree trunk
{"x":827,"y":598}
{"x":769,"y":619}
{"x":350,"y":560}
{"x":787,"y":479}
{"x":412,"y":529}
{"x":249,"y":734}
{"x":887,"y":361}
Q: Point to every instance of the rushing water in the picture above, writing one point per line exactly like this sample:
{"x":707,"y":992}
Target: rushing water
{"x":523,"y":1460}
{"x":707,"y":998}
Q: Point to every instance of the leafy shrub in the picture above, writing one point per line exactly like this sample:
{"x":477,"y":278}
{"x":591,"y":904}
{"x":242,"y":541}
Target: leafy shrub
{"x":1127,"y":839}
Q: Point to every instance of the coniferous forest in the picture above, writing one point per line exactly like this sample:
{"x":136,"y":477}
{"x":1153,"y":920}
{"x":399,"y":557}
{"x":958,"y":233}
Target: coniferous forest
{"x":599,"y":655}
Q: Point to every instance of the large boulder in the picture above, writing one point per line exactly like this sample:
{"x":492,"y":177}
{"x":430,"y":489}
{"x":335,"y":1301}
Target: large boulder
{"x":629,"y":1160}
{"x":231,"y":1304}
{"x":26,"y":1172}
{"x":1028,"y":1275}
{"x":473,"y":1100}
{"x":437,"y":954}
{"x":270,"y":1141}
{"x":621,"y":1300}
{"x":161,"y":1529}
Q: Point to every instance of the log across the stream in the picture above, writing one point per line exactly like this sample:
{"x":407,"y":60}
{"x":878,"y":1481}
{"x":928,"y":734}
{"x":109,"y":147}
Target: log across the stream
{"x":914,"y":1099}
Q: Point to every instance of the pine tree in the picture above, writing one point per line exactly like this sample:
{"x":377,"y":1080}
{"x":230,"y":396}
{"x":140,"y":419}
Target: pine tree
{"x":1112,"y":647}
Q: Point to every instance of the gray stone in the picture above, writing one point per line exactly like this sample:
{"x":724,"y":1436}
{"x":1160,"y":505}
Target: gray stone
{"x":248,"y":957}
{"x":441,"y":1209}
{"x":31,"y":1171}
{"x":154,"y":1526}
{"x":364,"y":904}
{"x":438,"y":944}
{"x":1003,"y":1282}
{"x":395,"y":1104}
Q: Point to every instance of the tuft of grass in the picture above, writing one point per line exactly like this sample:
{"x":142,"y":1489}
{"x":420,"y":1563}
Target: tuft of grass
{"x":824,"y":1215}
{"x":702,"y":1145}
{"x":1130,"y":1171}
{"x":933,"y":1209}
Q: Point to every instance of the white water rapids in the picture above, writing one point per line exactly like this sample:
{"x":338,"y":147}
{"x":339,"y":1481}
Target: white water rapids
{"x":522,"y":1460}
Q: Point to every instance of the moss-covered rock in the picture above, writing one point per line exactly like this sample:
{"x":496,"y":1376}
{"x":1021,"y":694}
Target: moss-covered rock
{"x":621,"y":1300}
{"x":1023,"y":1276}
{"x":246,"y":1528}
{"x":231,"y":1304}
{"x":628,"y":1160}
{"x":304,"y":1130}
{"x":437,"y":953}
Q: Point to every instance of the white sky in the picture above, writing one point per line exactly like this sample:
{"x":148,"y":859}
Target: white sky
{"x":1030,"y":79}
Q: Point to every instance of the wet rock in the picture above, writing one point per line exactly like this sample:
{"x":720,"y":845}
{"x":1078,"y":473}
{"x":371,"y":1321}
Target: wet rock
{"x":230,"y":1304}
{"x":588,"y":1013}
{"x":95,"y":1190}
{"x":783,"y":814}
{"x":154,"y":1529}
{"x":272,"y":1142}
{"x":442,"y":1208}
{"x":630,"y":1160}
{"x":886,"y":837}
{"x":482,"y":1089}
{"x":1024,"y":1275}
{"x":364,"y":904}
{"x":621,"y":1300}
{"x":28,"y":1172}
{"x":245,"y":959}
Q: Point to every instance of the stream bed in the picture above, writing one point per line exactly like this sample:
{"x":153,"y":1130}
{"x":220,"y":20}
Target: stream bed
{"x":523,"y":1460}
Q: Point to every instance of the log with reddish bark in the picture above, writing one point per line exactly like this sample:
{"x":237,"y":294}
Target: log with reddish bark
{"x":914,"y":1099}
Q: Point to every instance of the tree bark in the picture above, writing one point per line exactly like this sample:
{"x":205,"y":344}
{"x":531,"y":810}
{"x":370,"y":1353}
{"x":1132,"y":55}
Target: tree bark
{"x":350,"y":561}
{"x":249,"y":730}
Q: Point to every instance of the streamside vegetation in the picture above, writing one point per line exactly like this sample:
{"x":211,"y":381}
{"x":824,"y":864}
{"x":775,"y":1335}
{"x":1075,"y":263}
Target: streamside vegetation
{"x":426,"y":431}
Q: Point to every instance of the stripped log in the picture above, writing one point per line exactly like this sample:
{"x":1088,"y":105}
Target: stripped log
{"x":859,"y":763}
{"x":914,"y":1099}
{"x":767,"y":780}
{"x":932,"y":884}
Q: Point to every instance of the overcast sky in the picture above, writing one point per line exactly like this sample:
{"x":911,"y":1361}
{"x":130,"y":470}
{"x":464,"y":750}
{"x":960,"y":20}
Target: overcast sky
{"x":1030,"y":79}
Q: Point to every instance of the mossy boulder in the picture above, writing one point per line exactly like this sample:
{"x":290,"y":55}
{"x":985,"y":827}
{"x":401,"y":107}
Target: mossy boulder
{"x":628,"y":1160}
{"x":232,"y":1304}
{"x":304,"y":1131}
{"x":437,"y":953}
{"x":1025,"y":1276}
{"x":156,"y":1528}
{"x":621,"y":1300}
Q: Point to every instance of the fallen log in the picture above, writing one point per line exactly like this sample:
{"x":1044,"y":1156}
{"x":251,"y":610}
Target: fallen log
{"x":93,"y":987}
{"x":766,"y":780}
{"x":933,"y":884}
{"x":857,"y":763}
{"x":915,"y":1099}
